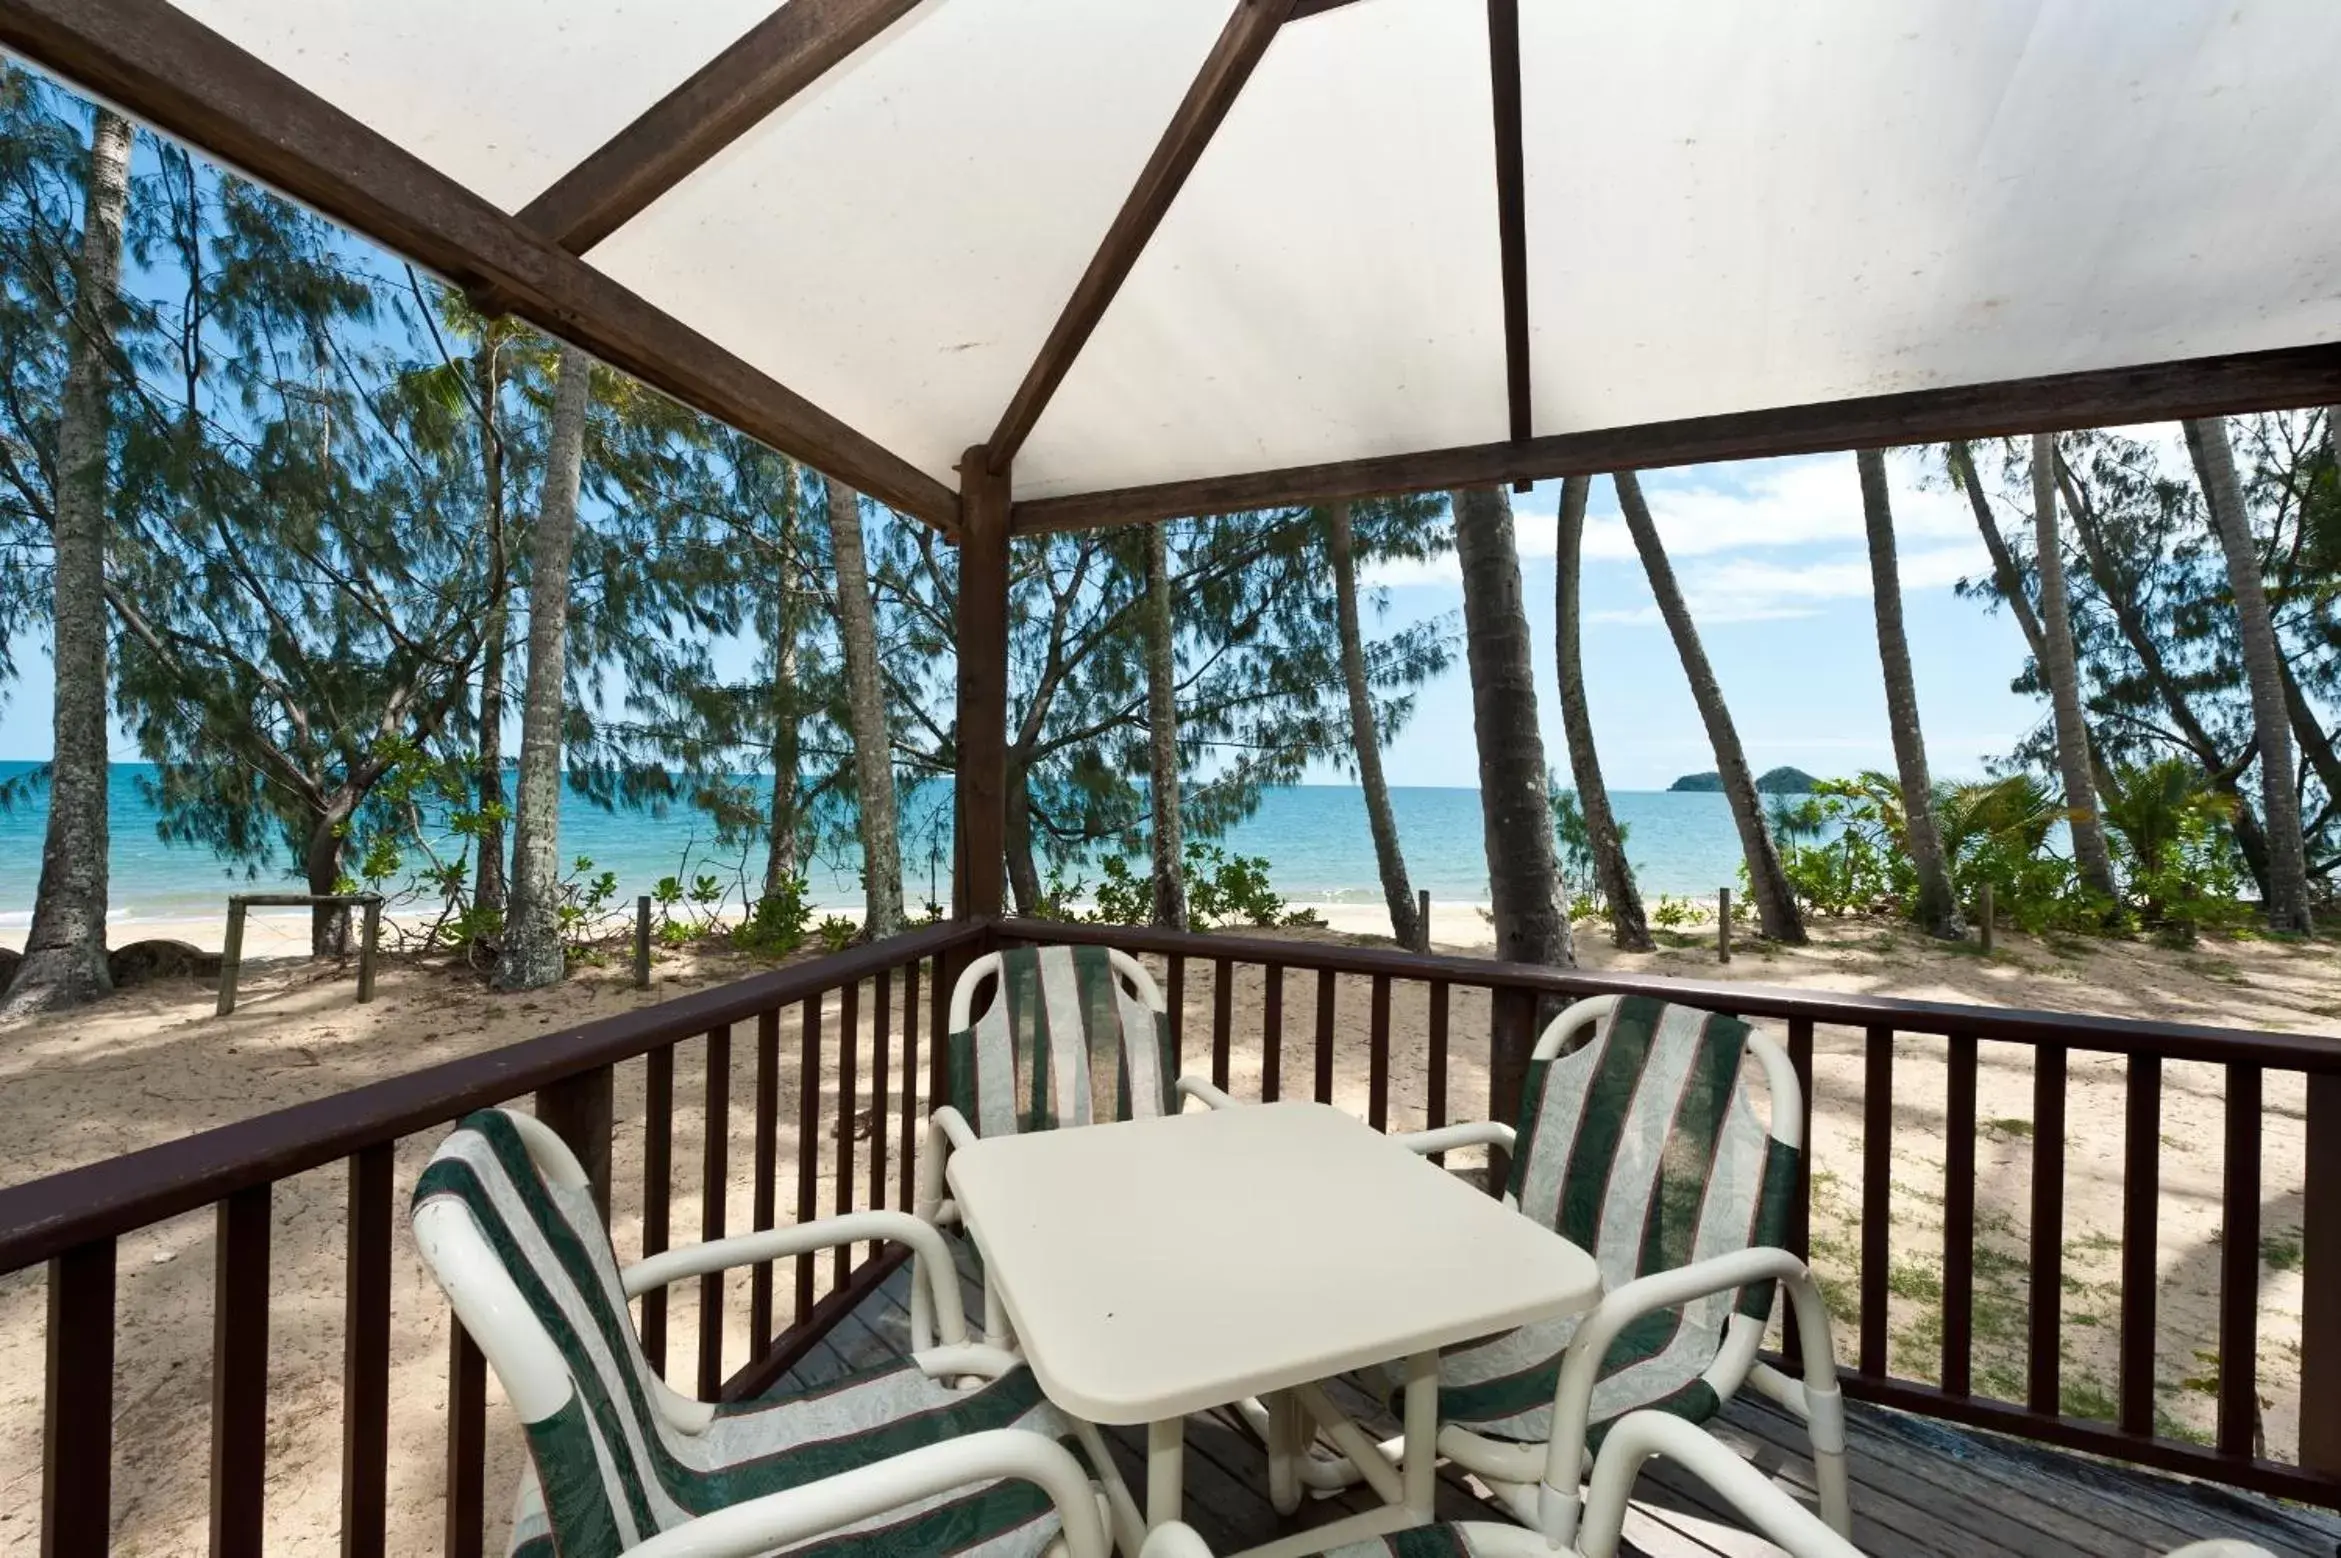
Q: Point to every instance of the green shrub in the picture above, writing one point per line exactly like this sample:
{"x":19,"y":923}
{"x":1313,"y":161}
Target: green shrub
{"x":837,"y":933}
{"x":776,"y":926}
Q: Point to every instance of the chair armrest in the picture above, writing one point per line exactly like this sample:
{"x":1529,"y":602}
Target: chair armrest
{"x":1621,"y":1306}
{"x":1636,"y":1437}
{"x":1446,"y":1138}
{"x":1196,"y":1087}
{"x":777,"y":1520}
{"x":934,"y":1269}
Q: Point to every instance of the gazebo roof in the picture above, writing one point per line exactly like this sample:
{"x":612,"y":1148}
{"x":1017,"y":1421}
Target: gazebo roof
{"x":1369,"y":244}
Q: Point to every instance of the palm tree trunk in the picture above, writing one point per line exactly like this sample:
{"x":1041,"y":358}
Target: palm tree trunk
{"x":2057,"y":661}
{"x":2287,"y":899}
{"x":532,"y":955}
{"x":65,"y":946}
{"x":1524,"y":878}
{"x":873,"y":741}
{"x":1162,"y":728}
{"x":490,"y":883}
{"x":2003,"y":562}
{"x":1627,"y":926}
{"x":1776,"y":911}
{"x":1365,"y":738}
{"x":1937,"y":909}
{"x":780,"y":830}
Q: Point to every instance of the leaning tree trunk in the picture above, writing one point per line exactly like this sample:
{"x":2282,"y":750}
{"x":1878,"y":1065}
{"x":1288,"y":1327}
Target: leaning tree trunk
{"x":1627,"y":927}
{"x":2003,"y":562}
{"x":1937,"y":910}
{"x":1365,"y":739}
{"x":1162,"y":729}
{"x":2287,"y":901}
{"x":2058,"y":662}
{"x":1524,"y":878}
{"x":532,"y":956}
{"x":65,"y":946}
{"x":783,"y":709}
{"x":329,"y":924}
{"x":1776,"y":911}
{"x":873,"y":741}
{"x":1023,"y":871}
{"x":490,"y":883}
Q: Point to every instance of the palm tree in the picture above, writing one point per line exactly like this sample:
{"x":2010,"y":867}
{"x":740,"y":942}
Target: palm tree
{"x":1937,"y":909}
{"x":2287,"y":903}
{"x":2003,"y":562}
{"x":531,"y":957}
{"x":65,"y":946}
{"x":1162,"y":730}
{"x":1627,"y":926}
{"x":1776,"y":911}
{"x":2057,"y":660}
{"x":1365,"y":737}
{"x":1524,"y":878}
{"x":873,"y":739}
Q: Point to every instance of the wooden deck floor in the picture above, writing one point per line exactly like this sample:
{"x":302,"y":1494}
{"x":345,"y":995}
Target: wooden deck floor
{"x":1920,"y":1488}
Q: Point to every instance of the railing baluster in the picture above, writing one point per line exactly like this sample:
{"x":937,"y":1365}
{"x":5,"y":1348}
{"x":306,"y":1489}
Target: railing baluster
{"x":2239,"y":1266}
{"x":1877,"y":1190}
{"x":881,"y":1041}
{"x":658,"y":1185}
{"x":1435,"y":1104}
{"x":809,"y":1140}
{"x":849,"y":1043}
{"x":467,"y":1445}
{"x":2044,"y":1347}
{"x":578,"y":1109}
{"x":2320,"y":1277}
{"x":714,"y":1182}
{"x":77,"y":1449}
{"x":1325,"y":1000}
{"x":365,"y":1358}
{"x":1378,"y":1054}
{"x":1174,"y":1002}
{"x":907,"y":1191}
{"x":1223,"y":995}
{"x":1272,"y":1033}
{"x":2141,"y":1212}
{"x":1959,"y":1216}
{"x":939,"y":1032}
{"x":239,"y":1372}
{"x":1800,"y":1200}
{"x":764,"y":1209}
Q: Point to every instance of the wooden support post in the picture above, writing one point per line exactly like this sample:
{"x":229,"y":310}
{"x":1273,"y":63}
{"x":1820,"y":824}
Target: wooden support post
{"x":981,"y":782}
{"x":2320,"y":1274}
{"x":369,"y":937}
{"x":1723,"y":925}
{"x":579,"y":1109}
{"x":1511,"y":1035}
{"x":1983,"y":914}
{"x":231,"y":954}
{"x":1422,"y":921}
{"x":642,"y":942}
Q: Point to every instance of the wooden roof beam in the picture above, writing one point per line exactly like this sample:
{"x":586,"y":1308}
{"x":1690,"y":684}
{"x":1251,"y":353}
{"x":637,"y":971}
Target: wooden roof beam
{"x":1249,"y":31}
{"x":2231,"y":385}
{"x":161,"y":66}
{"x":728,"y":96}
{"x":1511,"y":210}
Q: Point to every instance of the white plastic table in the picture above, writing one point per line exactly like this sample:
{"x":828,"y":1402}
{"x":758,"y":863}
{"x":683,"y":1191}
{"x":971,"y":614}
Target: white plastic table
{"x":1160,"y":1267}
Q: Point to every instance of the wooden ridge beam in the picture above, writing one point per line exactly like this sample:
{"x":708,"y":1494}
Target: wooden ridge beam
{"x":769,"y":64}
{"x":162,"y":67}
{"x":1511,"y":209}
{"x":2228,"y":385}
{"x":1249,"y":30}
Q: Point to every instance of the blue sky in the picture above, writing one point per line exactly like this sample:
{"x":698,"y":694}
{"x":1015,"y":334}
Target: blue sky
{"x":1771,"y":556}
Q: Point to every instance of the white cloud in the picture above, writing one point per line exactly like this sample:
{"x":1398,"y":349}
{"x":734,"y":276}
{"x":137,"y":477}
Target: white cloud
{"x":1762,"y":589}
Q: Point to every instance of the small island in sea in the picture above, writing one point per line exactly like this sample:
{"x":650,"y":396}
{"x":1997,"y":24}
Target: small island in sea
{"x":1780,"y":781}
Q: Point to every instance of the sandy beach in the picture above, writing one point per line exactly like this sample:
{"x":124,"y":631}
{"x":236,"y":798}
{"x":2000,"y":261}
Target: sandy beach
{"x":154,"y":1063}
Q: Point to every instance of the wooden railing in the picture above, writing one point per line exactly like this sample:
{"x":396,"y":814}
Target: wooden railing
{"x":1476,"y":1021}
{"x":1515,"y":996}
{"x":73,"y":1221}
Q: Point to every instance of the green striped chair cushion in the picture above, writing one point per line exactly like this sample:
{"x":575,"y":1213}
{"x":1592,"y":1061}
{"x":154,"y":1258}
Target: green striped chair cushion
{"x":1643,"y":1146}
{"x":608,"y":1469}
{"x":1060,"y":1025}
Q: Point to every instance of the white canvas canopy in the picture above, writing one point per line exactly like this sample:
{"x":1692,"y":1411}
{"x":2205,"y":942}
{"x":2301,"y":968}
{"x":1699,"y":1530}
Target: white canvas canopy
{"x":1723,"y":209}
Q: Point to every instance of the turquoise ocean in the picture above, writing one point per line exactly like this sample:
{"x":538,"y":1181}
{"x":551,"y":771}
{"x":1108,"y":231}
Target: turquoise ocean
{"x":1313,"y":836}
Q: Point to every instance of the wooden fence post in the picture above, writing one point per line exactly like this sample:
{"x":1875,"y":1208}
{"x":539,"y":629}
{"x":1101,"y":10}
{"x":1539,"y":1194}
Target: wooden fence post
{"x":1723,"y":925}
{"x":642,"y":942}
{"x":1983,"y":914}
{"x":370,"y":935}
{"x":231,"y":954}
{"x":1422,"y":921}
